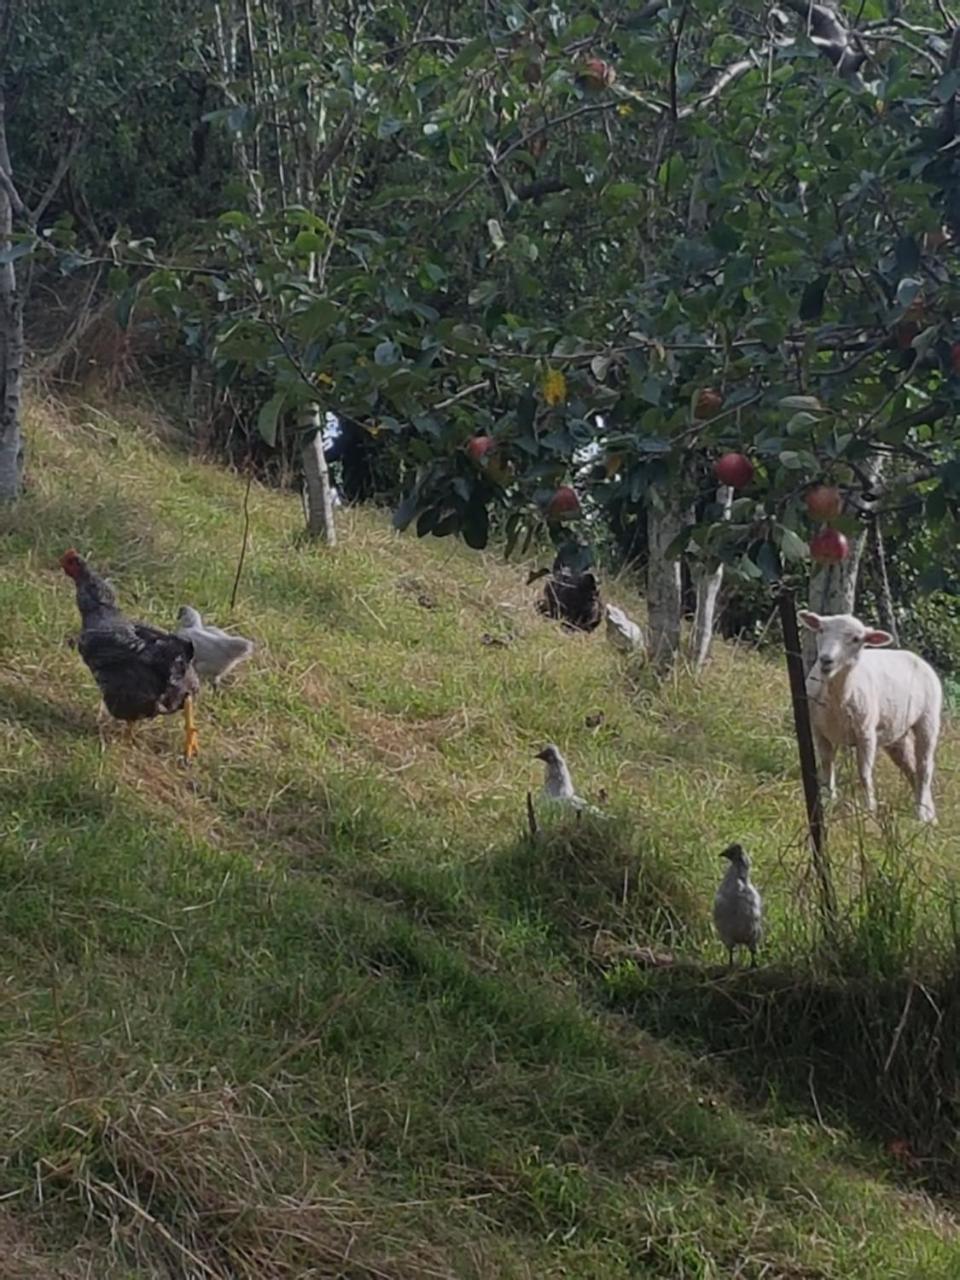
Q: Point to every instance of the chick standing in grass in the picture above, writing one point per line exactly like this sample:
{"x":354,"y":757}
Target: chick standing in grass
{"x":215,"y":652}
{"x":737,"y":908}
{"x":558,"y":785}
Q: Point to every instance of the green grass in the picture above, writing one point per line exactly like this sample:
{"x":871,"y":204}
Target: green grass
{"x":318,"y":1007}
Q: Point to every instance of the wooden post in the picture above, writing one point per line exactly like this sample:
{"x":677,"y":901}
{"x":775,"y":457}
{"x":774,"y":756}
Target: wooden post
{"x":808,"y":756}
{"x":531,"y":817}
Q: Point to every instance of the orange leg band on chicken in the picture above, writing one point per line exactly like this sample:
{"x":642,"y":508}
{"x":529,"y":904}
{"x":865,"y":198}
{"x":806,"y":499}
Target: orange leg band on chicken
{"x":191,"y":739}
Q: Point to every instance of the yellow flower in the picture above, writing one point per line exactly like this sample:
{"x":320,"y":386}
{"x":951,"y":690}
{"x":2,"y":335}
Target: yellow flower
{"x":554,"y":387}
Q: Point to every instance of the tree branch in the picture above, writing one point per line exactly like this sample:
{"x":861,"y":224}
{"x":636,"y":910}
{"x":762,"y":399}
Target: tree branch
{"x":519,"y":144}
{"x":542,"y":187}
{"x":831,"y":37}
{"x":733,"y":72}
{"x":53,"y":186}
{"x":12,"y":194}
{"x":331,"y":152}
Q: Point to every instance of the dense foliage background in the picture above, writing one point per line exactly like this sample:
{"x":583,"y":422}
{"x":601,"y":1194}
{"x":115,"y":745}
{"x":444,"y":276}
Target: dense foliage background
{"x":551,"y":225}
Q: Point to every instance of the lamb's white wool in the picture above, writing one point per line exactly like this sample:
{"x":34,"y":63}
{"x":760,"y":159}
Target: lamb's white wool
{"x":215,"y":652}
{"x":860,"y":697}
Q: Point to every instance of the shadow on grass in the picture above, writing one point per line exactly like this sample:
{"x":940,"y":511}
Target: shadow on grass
{"x":49,"y":719}
{"x":881,"y":1055}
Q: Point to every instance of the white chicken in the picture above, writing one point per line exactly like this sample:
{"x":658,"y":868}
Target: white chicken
{"x":737,"y":907}
{"x":215,"y":652}
{"x":558,"y":785}
{"x":622,"y":633}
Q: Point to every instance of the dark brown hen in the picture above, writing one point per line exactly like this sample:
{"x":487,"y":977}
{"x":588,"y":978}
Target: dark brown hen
{"x":141,"y":671}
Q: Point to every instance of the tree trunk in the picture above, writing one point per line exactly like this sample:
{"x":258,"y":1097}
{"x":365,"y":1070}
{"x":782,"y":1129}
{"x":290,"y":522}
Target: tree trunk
{"x":833,"y":587}
{"x":888,"y":616}
{"x":11,"y":344}
{"x":316,"y":478}
{"x":708,"y":583}
{"x":664,"y":595}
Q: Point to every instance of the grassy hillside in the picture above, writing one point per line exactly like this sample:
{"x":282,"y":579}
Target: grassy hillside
{"x":317,"y":1007}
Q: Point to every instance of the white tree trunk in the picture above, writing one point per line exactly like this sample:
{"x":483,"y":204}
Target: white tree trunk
{"x":316,"y":478}
{"x":11,"y":344}
{"x":708,"y":583}
{"x":833,"y":587}
{"x":664,"y":595}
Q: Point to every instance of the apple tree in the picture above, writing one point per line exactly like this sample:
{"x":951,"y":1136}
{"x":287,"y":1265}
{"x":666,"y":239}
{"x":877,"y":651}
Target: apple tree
{"x":609,"y":248}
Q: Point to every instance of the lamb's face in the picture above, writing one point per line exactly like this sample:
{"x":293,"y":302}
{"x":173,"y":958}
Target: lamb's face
{"x":841,"y":638}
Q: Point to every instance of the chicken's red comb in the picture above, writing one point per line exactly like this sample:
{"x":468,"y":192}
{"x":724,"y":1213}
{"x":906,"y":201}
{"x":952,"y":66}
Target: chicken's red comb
{"x":69,"y":562}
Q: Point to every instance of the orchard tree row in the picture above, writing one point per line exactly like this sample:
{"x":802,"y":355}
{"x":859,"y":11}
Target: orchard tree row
{"x":689,"y":266}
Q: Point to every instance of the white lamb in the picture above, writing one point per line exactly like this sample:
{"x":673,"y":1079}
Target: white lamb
{"x":862,"y":698}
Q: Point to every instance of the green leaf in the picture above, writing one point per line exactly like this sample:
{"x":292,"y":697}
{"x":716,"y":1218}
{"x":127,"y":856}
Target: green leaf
{"x":809,"y":404}
{"x":476,"y":525}
{"x":792,"y":546}
{"x":768,"y":562}
{"x":495,"y":232}
{"x":673,"y":173}
{"x":386,"y":352}
{"x":316,"y":319}
{"x":406,"y":511}
{"x":800,"y":422}
{"x":623,"y":190}
{"x":907,"y":255}
{"x":947,"y":86}
{"x":306,"y":243}
{"x":812,"y":298}
{"x":268,"y":417}
{"x":124,"y":308}
{"x":791,"y":460}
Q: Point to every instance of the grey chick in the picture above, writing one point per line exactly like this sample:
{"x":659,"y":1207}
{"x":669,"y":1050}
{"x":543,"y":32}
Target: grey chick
{"x":737,"y":907}
{"x":558,"y":785}
{"x":621,"y":632}
{"x":215,"y":652}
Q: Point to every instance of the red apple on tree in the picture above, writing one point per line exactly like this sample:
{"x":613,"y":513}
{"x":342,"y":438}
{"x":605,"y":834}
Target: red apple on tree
{"x":479,"y":446}
{"x":824,"y":502}
{"x":564,"y":504}
{"x":829,"y":546}
{"x":955,"y":358}
{"x":734,"y":469}
{"x":709,"y":401}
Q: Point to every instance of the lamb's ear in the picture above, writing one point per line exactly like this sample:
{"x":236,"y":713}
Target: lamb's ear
{"x":812,"y":621}
{"x":877,"y":639}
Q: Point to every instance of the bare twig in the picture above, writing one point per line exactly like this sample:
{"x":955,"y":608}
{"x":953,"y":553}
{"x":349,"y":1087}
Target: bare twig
{"x":246,"y":536}
{"x":674,"y":59}
{"x":53,"y":186}
{"x":899,"y":1028}
{"x":461,"y":395}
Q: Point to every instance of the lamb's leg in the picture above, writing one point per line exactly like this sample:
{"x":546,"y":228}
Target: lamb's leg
{"x":827,"y":755}
{"x":926,"y":732}
{"x":904,"y":756}
{"x":866,"y":761}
